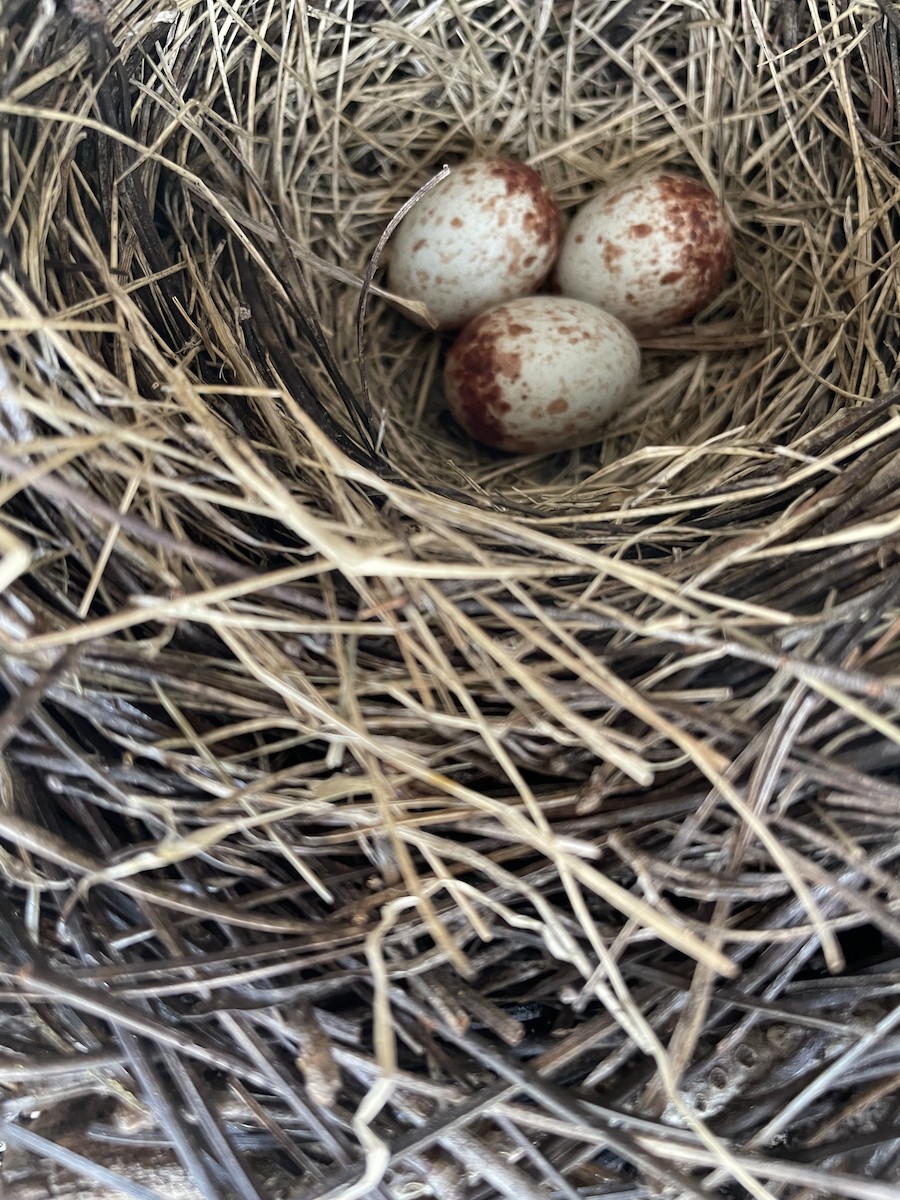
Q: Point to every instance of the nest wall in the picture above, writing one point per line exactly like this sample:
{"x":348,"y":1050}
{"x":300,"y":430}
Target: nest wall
{"x":383,"y":816}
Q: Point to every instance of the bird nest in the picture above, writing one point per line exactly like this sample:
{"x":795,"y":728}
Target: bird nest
{"x":387,"y":817}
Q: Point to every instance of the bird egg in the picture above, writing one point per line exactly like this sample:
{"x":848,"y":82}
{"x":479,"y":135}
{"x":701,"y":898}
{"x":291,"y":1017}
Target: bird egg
{"x":540,"y":374}
{"x":489,"y":232}
{"x":652,"y":251}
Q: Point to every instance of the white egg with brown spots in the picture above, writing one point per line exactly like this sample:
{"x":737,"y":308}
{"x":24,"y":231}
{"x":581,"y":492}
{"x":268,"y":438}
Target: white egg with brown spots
{"x":540,"y":374}
{"x":652,"y":251}
{"x":489,"y":232}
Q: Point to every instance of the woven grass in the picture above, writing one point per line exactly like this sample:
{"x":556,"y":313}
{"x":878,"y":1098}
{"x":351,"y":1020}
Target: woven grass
{"x":381,"y":816}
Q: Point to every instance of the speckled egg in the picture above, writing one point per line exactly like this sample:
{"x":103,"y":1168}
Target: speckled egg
{"x":489,"y":232}
{"x":652,"y":251}
{"x":540,"y":374}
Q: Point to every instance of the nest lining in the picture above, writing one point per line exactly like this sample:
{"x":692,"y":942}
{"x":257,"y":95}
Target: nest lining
{"x":383,"y":817}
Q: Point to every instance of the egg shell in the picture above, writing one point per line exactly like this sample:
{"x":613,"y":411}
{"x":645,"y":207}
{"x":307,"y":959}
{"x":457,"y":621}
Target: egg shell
{"x":652,"y":251}
{"x":487,"y":233}
{"x":540,"y":374}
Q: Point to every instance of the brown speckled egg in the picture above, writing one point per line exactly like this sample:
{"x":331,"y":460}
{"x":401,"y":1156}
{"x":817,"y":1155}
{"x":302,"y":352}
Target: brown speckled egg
{"x":487,"y":233}
{"x":540,"y":374}
{"x":652,"y":251}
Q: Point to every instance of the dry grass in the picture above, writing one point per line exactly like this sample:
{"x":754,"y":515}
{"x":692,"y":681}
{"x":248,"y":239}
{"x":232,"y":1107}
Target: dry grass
{"x":386,"y":818}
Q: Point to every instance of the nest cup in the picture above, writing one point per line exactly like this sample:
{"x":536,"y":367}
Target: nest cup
{"x":383,"y":816}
